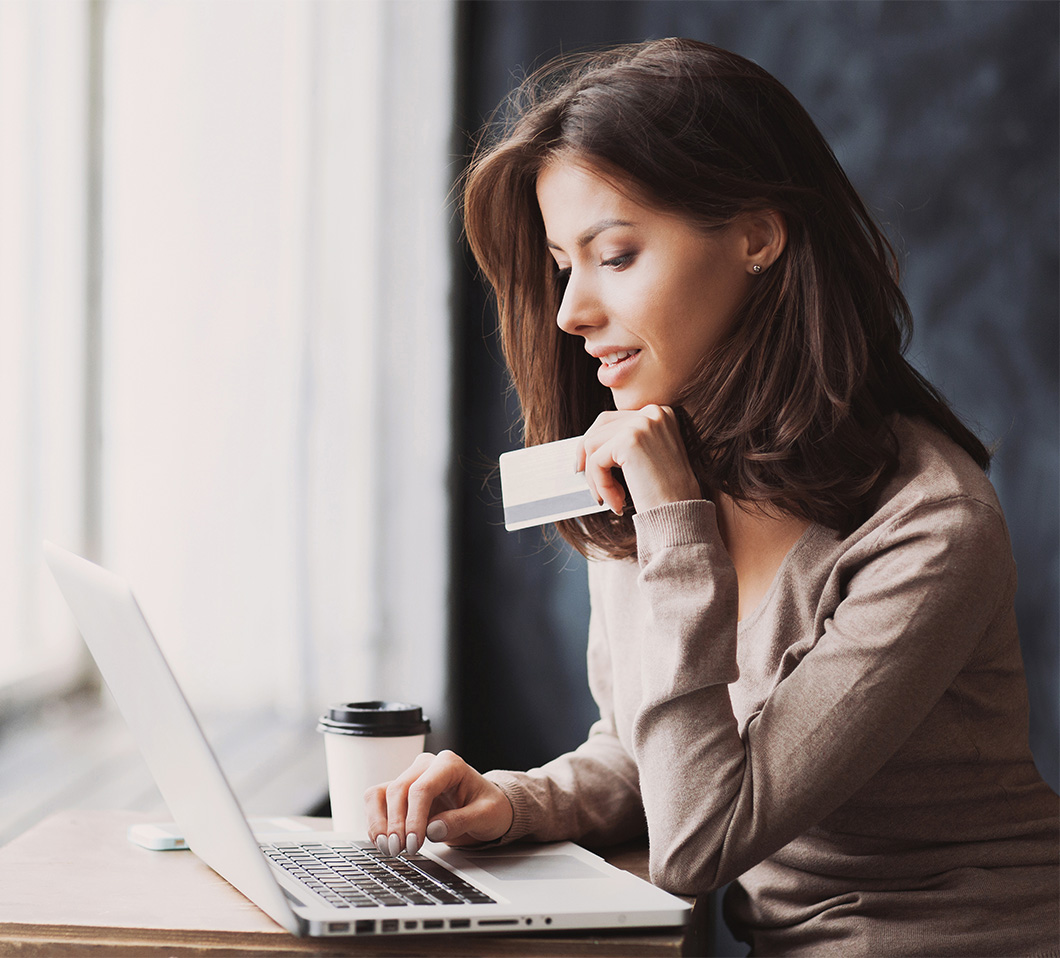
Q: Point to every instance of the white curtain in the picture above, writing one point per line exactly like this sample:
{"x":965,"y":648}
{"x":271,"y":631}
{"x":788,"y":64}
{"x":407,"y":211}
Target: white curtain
{"x":43,"y":280}
{"x":273,"y":343}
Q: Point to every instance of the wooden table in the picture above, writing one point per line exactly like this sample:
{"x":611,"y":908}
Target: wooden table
{"x":73,"y":885}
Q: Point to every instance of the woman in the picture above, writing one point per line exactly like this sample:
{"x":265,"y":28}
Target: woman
{"x":802,"y":639}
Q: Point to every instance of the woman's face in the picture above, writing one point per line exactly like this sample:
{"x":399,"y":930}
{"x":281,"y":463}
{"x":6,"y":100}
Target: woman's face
{"x":649,"y":292}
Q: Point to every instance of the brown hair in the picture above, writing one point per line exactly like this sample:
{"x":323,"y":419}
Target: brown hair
{"x":791,"y":411}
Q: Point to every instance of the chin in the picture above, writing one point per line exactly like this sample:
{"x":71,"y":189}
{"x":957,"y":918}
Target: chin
{"x":628,"y":402}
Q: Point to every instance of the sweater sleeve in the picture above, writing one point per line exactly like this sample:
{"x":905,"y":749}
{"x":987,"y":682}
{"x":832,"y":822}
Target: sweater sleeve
{"x":592,"y":794}
{"x":915,"y":604}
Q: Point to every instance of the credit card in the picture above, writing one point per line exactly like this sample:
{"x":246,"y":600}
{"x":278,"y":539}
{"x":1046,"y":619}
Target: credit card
{"x":539,"y":485}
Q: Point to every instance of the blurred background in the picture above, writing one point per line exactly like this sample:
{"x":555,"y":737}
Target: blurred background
{"x":245,"y":359}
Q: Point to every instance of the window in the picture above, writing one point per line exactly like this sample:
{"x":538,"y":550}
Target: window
{"x":43,"y":283}
{"x":224,"y":274}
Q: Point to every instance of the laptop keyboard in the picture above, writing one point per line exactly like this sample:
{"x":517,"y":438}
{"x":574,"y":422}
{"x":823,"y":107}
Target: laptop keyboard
{"x":350,"y":875}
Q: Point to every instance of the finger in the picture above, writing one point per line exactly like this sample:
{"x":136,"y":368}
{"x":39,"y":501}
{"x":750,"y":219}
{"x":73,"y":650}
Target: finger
{"x":599,"y":458}
{"x":447,"y":777}
{"x":591,"y":483}
{"x":598,"y":470}
{"x":579,"y":467}
{"x":386,"y":806}
{"x":396,"y":810}
{"x":375,"y":811}
{"x":437,"y":831}
{"x":484,"y":819}
{"x":579,"y":455}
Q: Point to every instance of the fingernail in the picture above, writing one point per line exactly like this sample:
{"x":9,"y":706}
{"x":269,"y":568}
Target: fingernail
{"x":437,"y":831}
{"x":412,"y":844}
{"x":382,"y":844}
{"x":394,"y":845}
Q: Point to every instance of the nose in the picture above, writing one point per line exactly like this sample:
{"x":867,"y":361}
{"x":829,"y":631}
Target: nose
{"x":580,"y":309}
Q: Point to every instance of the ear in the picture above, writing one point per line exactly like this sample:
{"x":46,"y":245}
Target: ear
{"x":765,"y":235}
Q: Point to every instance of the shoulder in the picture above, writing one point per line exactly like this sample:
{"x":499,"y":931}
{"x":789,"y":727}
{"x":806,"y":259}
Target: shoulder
{"x":937,"y":526}
{"x":938,"y":512}
{"x":932,"y":468}
{"x":932,"y":566}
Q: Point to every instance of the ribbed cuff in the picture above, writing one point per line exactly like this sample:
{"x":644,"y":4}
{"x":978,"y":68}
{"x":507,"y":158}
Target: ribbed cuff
{"x":508,"y":783}
{"x":675,"y":524}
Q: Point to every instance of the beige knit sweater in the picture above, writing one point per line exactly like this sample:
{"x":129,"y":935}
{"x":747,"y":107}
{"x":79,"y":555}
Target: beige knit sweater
{"x":852,"y":756}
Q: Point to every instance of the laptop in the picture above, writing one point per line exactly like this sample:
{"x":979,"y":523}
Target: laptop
{"x":329,"y":883}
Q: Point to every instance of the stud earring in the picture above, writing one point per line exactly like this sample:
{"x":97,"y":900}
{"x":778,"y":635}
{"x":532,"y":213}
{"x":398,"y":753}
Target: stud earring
{"x":756,"y":268}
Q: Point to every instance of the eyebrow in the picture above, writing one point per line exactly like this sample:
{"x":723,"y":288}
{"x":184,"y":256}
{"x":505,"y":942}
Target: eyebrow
{"x":592,"y":232}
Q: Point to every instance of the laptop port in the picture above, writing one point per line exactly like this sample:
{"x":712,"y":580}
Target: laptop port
{"x":365,"y":926}
{"x":460,"y":923}
{"x":483,"y":922}
{"x":389,"y":925}
{"x":338,"y":927}
{"x":432,"y":923}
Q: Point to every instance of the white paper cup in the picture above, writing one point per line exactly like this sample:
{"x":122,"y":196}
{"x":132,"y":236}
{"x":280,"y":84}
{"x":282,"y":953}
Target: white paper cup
{"x":365,"y":744}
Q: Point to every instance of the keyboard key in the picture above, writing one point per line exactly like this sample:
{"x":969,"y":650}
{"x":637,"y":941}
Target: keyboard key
{"x":360,"y":877}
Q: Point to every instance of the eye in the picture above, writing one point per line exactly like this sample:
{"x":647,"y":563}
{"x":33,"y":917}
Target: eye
{"x":618,"y":262}
{"x":561,"y":275}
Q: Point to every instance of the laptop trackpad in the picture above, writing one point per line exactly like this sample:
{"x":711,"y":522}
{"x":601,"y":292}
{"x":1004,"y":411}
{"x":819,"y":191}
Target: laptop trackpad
{"x":534,"y":867}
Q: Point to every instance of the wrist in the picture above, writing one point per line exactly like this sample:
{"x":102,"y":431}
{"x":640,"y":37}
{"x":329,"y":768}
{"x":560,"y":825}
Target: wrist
{"x":670,"y":495}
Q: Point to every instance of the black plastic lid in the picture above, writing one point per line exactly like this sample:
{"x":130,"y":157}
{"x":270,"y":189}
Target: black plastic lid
{"x":375,"y":718}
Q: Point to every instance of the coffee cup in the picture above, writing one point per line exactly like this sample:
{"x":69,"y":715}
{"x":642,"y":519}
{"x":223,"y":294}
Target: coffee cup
{"x":365,"y":744}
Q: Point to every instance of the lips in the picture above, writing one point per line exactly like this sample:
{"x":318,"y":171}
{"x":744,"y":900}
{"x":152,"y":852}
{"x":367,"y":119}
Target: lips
{"x":616,"y":365}
{"x":612,"y":359}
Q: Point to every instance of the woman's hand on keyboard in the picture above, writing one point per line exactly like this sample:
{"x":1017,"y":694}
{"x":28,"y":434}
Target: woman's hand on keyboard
{"x":440,"y":797}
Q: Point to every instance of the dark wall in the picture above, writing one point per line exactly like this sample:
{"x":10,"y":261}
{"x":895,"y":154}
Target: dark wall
{"x":945,"y":117}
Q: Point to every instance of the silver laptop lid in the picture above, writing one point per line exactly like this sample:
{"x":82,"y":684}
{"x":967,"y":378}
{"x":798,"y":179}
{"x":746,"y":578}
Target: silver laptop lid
{"x":173,"y":745}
